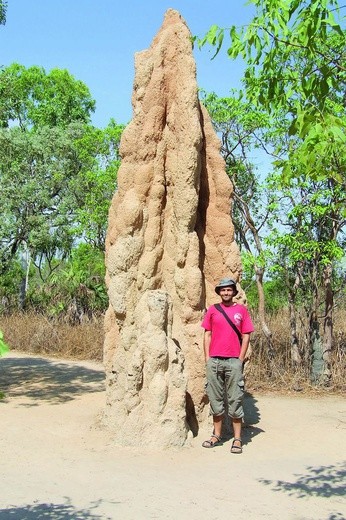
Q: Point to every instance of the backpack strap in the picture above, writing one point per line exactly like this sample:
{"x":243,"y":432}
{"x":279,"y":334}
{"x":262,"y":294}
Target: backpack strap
{"x":220,"y":309}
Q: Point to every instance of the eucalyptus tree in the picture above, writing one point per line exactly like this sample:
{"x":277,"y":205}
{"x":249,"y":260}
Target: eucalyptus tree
{"x":37,"y":170}
{"x":32,"y":98}
{"x":57,"y":171}
{"x":41,"y":117}
{"x":309,"y":243}
{"x":99,"y":149}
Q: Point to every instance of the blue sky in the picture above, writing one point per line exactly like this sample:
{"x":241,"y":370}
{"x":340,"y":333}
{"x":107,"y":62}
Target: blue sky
{"x":96,"y":41}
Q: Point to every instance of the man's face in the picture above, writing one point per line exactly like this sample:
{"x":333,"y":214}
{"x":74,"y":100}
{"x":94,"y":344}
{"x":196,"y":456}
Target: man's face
{"x":226,"y":293}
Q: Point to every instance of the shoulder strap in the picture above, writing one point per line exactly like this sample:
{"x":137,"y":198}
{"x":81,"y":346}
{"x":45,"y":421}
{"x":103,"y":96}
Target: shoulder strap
{"x":220,"y":309}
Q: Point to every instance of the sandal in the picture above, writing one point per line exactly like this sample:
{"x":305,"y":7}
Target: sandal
{"x":209,"y":443}
{"x":237,"y":449}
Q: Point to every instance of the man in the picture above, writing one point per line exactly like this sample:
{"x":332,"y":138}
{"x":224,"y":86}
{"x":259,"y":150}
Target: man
{"x":225,"y":347}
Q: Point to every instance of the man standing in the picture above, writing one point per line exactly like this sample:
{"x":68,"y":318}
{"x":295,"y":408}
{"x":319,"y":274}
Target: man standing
{"x":227,"y":328}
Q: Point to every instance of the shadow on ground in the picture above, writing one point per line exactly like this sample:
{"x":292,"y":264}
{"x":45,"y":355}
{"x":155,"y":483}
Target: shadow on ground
{"x":252,"y":416}
{"x":323,"y":481}
{"x":53,"y":511}
{"x":43,"y":380}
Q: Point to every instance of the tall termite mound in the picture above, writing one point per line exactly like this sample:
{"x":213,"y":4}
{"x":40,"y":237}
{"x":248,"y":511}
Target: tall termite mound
{"x":170,"y":239}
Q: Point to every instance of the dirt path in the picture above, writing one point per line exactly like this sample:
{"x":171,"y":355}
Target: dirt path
{"x":55,"y":463}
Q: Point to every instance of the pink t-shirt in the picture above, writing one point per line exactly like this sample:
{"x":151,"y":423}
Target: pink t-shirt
{"x":224,"y":341}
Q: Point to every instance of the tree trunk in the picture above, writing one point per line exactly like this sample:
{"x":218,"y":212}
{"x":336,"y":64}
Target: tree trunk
{"x":261,"y":311}
{"x":317,"y":363}
{"x":328,"y":323}
{"x":296,"y":359}
{"x":315,"y":340}
{"x":23,"y":289}
{"x":296,"y":355}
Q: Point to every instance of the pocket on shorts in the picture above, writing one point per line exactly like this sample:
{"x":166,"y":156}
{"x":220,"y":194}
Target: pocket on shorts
{"x":241,"y":387}
{"x":241,"y":384}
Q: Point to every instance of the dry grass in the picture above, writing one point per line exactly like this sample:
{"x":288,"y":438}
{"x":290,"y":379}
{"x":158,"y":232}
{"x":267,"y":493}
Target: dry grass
{"x":35,"y":333}
{"x":278,"y":375}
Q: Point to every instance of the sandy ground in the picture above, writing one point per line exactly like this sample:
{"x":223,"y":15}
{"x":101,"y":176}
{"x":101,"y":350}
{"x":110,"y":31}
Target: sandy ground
{"x":56,"y":463}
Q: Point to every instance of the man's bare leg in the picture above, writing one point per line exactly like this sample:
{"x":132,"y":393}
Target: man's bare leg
{"x":236,"y":444}
{"x":215,"y":438}
{"x":217,"y":420}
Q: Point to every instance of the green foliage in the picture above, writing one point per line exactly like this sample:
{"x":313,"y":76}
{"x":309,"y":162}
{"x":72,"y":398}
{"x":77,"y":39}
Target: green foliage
{"x":74,"y":285}
{"x":10,"y":281}
{"x":301,"y":215}
{"x":307,"y":238}
{"x":57,"y":177}
{"x":57,"y":185}
{"x":282,"y":34}
{"x":4,"y":348}
{"x":274,"y":288}
{"x":275,"y":293}
{"x":86,"y":268}
{"x":3,"y":10}
{"x":38,"y":170}
{"x":32,"y":98}
{"x":99,"y":150}
{"x":57,"y":172}
{"x":42,"y":116}
{"x":295,"y":53}
{"x":318,"y":152}
{"x":312,"y":216}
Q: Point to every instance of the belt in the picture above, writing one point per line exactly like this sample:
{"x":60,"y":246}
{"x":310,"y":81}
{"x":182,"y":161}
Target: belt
{"x":221,"y":357}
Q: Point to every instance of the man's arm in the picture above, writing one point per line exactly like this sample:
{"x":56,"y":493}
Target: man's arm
{"x":206,"y":342}
{"x":244,"y":346}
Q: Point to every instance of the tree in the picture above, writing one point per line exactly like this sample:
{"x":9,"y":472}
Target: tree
{"x":37,"y":171}
{"x":295,"y":53}
{"x":308,"y":242}
{"x":279,"y":31}
{"x":3,"y":10}
{"x":32,"y":98}
{"x":56,"y":188}
{"x":74,"y":289}
{"x":57,"y":172}
{"x":99,"y":151}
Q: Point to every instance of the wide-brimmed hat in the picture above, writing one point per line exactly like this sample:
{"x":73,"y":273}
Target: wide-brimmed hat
{"x":226,"y":282}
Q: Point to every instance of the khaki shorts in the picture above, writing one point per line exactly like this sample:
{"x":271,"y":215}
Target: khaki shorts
{"x":225,"y":382}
